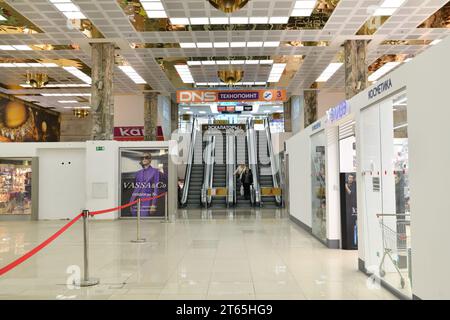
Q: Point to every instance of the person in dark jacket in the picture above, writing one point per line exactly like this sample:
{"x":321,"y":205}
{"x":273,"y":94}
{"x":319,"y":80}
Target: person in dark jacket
{"x":247,"y":181}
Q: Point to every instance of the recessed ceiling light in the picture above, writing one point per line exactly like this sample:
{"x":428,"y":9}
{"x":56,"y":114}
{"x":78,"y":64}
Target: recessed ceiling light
{"x":252,"y":62}
{"x":254,"y":44}
{"x":301,"y":12}
{"x":238,"y":20}
{"x":202,"y":112}
{"x":6,"y":47}
{"x":305,"y":4}
{"x":22,"y":47}
{"x":222,"y":62}
{"x":187,"y":45}
{"x":153,"y":5}
{"x":388,"y":7}
{"x":183,"y":21}
{"x":221,"y":44}
{"x":259,"y":20}
{"x":204,"y":45}
{"x":276,"y":72}
{"x":329,"y":71}
{"x":199,"y":21}
{"x":383,"y":70}
{"x":68,"y":101}
{"x":70,"y":10}
{"x":194,"y":63}
{"x":201,"y":83}
{"x":278,"y":20}
{"x":2,"y":18}
{"x":237,"y":61}
{"x":265,"y":61}
{"x":79,"y":74}
{"x":208,"y":62}
{"x":260,"y":83}
{"x":271,"y":44}
{"x":435,"y":42}
{"x":184,"y":73}
{"x":237,"y":44}
{"x":219,"y":20}
{"x":132,"y":74}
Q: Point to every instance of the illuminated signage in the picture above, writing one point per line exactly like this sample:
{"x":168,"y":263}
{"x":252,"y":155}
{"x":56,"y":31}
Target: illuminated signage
{"x":338,"y":112}
{"x":190,"y":96}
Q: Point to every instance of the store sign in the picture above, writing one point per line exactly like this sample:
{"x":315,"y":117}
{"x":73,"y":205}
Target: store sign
{"x":189,"y":96}
{"x":379,"y":89}
{"x":316,"y":126}
{"x":338,"y":112}
{"x":129,"y":133}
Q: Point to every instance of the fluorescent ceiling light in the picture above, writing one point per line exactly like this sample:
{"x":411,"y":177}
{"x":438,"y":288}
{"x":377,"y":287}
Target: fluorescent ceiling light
{"x":132,"y":74}
{"x":2,"y":18}
{"x":213,"y":83}
{"x":407,"y":60}
{"x":254,"y":44}
{"x":260,"y":83}
{"x":156,"y":14}
{"x":194,"y":63}
{"x":79,"y":74}
{"x":69,"y":9}
{"x":222,"y":62}
{"x":237,"y":44}
{"x":388,"y":7}
{"x":68,"y":101}
{"x":221,"y":44}
{"x":208,"y":62}
{"x":65,"y":94}
{"x":202,"y":112}
{"x":219,"y":20}
{"x":383,"y":70}
{"x":259,"y":20}
{"x":186,"y":108}
{"x":305,"y":4}
{"x":187,"y":44}
{"x":154,"y":5}
{"x":435,"y":42}
{"x":184,"y":73}
{"x":238,"y":20}
{"x":301,"y":12}
{"x":179,"y":21}
{"x":252,"y":62}
{"x":237,"y":61}
{"x":265,"y":61}
{"x":271,"y":44}
{"x":197,"y":21}
{"x":248,"y":83}
{"x":204,"y":45}
{"x":329,"y":71}
{"x":22,"y":47}
{"x":154,"y":8}
{"x":201,"y":83}
{"x":276,"y":72}
{"x":278,"y":20}
{"x":6,"y":47}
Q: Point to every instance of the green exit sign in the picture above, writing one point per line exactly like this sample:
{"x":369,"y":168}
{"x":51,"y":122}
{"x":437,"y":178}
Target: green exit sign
{"x":100,"y":148}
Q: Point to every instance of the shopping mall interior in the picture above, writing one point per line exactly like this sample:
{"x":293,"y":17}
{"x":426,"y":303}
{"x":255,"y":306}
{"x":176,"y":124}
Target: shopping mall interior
{"x":224,"y":149}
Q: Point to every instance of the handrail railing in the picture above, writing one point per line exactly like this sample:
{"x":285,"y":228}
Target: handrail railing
{"x":273,"y":160}
{"x":231,"y":167}
{"x":187,"y":175}
{"x":253,"y":160}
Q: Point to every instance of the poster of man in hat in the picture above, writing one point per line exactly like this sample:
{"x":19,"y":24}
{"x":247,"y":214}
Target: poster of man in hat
{"x":143,"y":176}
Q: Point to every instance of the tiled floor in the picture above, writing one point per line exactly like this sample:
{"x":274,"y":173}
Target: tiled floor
{"x":246,"y":254}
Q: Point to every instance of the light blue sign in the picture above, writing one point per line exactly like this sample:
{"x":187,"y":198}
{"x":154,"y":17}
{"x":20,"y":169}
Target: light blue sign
{"x":316,"y":126}
{"x":338,"y":112}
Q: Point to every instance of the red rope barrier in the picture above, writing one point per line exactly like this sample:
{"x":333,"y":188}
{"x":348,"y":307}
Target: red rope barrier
{"x":29,"y":254}
{"x":35,"y":250}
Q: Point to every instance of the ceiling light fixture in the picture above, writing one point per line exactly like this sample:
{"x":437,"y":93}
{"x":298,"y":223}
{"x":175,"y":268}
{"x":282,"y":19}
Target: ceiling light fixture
{"x":303,"y":8}
{"x":15,"y":47}
{"x":187,"y":45}
{"x":68,"y":101}
{"x":329,"y":71}
{"x":199,"y":21}
{"x":28,"y":65}
{"x":2,"y":18}
{"x":383,"y":70}
{"x":132,"y":74}
{"x":184,"y":73}
{"x":259,"y":20}
{"x":219,"y":20}
{"x":278,"y":20}
{"x":79,"y":74}
{"x":65,"y":94}
{"x":435,"y":42}
{"x":154,"y":8}
{"x":67,"y":8}
{"x":271,"y":44}
{"x":183,"y":21}
{"x":276,"y":72}
{"x":388,"y":7}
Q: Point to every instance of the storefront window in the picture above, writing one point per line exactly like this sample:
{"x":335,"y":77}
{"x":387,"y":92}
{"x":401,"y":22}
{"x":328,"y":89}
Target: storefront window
{"x":384,"y":145}
{"x":319,"y":203}
{"x":15,"y":187}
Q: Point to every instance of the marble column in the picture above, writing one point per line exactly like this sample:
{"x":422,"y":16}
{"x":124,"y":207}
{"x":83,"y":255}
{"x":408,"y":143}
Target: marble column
{"x":102,"y":99}
{"x":173,"y":113}
{"x":150,"y":116}
{"x":355,"y":67}
{"x":310,"y":103}
{"x":287,"y":111}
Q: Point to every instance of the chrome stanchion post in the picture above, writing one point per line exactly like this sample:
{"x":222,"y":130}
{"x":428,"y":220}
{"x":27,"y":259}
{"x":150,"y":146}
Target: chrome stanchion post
{"x":86,"y":281}
{"x":166,"y":206}
{"x":138,"y":221}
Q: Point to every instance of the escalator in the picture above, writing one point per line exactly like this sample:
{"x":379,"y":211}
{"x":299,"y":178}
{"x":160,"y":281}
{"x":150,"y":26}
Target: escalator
{"x":219,"y":170}
{"x":241,"y":158}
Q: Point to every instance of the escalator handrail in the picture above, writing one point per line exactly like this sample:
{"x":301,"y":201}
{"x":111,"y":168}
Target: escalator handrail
{"x":187,"y":175}
{"x":273,"y":160}
{"x":253,"y":160}
{"x":230,"y":168}
{"x":207,"y":172}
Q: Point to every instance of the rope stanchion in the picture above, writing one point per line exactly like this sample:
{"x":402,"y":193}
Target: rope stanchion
{"x":41,"y":246}
{"x":138,"y":224}
{"x":86,"y":281}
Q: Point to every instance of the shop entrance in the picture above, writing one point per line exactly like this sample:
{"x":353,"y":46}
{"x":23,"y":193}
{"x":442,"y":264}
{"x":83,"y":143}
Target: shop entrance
{"x":384,"y":154}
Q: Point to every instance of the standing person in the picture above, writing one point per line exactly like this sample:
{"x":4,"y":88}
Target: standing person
{"x":146,"y":185}
{"x":247,"y":181}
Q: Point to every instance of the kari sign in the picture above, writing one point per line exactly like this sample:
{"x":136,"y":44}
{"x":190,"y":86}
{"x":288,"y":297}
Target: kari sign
{"x":129,"y":133}
{"x":187,"y":96}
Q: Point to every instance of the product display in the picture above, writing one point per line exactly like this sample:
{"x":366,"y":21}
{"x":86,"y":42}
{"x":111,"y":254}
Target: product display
{"x":15,"y":188}
{"x":319,"y":203}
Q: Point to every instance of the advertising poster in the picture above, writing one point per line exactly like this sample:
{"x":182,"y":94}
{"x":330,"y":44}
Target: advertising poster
{"x":15,"y":187}
{"x":23,"y":123}
{"x":143,"y":174}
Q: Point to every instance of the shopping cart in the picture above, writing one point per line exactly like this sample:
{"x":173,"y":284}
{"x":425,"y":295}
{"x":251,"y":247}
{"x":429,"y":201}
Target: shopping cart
{"x":395,"y":240}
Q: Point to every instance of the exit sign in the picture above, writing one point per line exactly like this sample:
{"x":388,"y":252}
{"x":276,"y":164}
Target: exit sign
{"x":100,"y":148}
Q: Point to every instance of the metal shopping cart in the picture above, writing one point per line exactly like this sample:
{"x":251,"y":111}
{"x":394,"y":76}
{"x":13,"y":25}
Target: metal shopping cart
{"x":395,"y":240}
